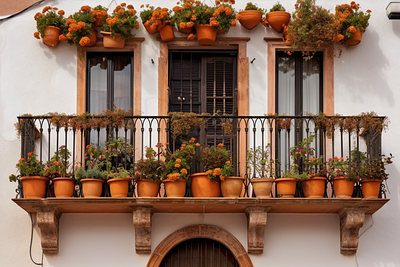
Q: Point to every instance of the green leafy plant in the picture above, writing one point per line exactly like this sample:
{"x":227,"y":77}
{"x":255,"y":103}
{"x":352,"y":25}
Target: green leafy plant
{"x":351,"y":20}
{"x":302,"y":154}
{"x":95,"y":162}
{"x":217,"y":163}
{"x":182,"y":16}
{"x":312,"y":27}
{"x":123,"y":20}
{"x":259,"y":162}
{"x":251,"y":6}
{"x":179,"y":162}
{"x":118,"y":173}
{"x":59,"y":165}
{"x":28,"y":167}
{"x":225,"y":15}
{"x":78,"y":27}
{"x":149,"y":168}
{"x":340,"y":167}
{"x":374,"y":168}
{"x":50,"y":16}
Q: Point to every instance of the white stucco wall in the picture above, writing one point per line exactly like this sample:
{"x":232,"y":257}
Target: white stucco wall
{"x":37,"y":79}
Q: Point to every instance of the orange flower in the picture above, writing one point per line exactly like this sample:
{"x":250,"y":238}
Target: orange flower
{"x":38,"y":15}
{"x":137,"y":25}
{"x":121,"y":11}
{"x":228,"y":11}
{"x":178,"y":160}
{"x":228,"y":162}
{"x":217,"y":172}
{"x":131,"y":7}
{"x":182,"y":25}
{"x":84,"y":41}
{"x":184,"y":171}
{"x":221,"y":145}
{"x":222,"y":177}
{"x":85,"y":8}
{"x":30,"y":153}
{"x":338,"y":38}
{"x":45,"y":9}
{"x":352,"y":29}
{"x":197,"y":144}
{"x":233,"y":23}
{"x":238,"y":16}
{"x":36,"y":34}
{"x":177,"y":165}
{"x":62,"y":38}
{"x":189,"y":24}
{"x":123,"y":4}
{"x":132,"y":11}
{"x":61,"y":12}
{"x":191,"y":36}
{"x":21,"y":159}
{"x":82,"y":24}
{"x":167,"y":144}
{"x":183,"y":145}
{"x":193,"y":18}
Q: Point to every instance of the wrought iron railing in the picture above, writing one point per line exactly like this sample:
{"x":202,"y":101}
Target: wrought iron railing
{"x":273,"y":135}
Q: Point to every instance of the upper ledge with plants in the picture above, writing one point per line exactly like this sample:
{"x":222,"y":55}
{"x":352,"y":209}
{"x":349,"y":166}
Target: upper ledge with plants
{"x":309,"y":28}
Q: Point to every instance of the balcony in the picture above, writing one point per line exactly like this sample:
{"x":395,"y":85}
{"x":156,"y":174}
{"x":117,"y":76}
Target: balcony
{"x":334,"y":136}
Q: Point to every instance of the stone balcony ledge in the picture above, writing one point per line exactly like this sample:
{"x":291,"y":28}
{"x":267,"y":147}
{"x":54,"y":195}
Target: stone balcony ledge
{"x":351,"y":213}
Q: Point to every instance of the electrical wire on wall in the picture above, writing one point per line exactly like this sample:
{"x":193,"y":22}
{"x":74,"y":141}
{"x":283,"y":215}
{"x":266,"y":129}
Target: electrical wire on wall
{"x":369,"y":227}
{"x":19,"y":12}
{"x":30,"y":245}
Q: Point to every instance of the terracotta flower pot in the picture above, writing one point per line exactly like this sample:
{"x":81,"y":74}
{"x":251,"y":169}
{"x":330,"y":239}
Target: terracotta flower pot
{"x":355,"y":40}
{"x":262,"y":187}
{"x":206,"y":34}
{"x":314,"y":187}
{"x":64,"y":186}
{"x":112,"y":42}
{"x":204,"y":187}
{"x":34,"y":186}
{"x":371,"y":187}
{"x":92,"y":187}
{"x":286,"y":187}
{"x":186,"y":30}
{"x":250,"y":18}
{"x":93,"y":38}
{"x":175,"y":188}
{"x":119,"y":186}
{"x":167,"y":33}
{"x":146,"y":188}
{"x":51,"y":35}
{"x":277,"y":19}
{"x":342,"y":188}
{"x":232,"y":186}
{"x":150,"y":30}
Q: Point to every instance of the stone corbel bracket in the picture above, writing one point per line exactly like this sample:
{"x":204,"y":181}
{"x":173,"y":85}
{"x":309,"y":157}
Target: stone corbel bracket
{"x":256,"y":222}
{"x":142,"y":222}
{"x":351,"y":220}
{"x":48,"y":221}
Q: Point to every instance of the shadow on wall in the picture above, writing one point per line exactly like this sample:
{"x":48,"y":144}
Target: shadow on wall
{"x":361,"y":72}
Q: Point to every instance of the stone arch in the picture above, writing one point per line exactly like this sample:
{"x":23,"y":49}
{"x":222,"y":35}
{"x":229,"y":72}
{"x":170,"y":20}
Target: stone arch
{"x":200,"y":231}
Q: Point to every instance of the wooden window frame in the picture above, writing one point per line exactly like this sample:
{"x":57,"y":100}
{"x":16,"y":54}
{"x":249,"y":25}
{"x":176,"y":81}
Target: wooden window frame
{"x":133,"y":45}
{"x":277,"y":44}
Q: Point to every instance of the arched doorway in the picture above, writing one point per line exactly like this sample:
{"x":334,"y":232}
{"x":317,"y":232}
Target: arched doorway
{"x":199,"y":252}
{"x":200,"y":231}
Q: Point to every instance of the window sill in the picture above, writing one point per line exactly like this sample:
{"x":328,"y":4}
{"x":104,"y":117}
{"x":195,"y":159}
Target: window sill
{"x":351,"y":212}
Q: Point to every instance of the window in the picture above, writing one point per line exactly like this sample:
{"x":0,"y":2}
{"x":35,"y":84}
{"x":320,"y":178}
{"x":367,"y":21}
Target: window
{"x":109,"y":81}
{"x":299,"y":91}
{"x":204,"y":82}
{"x":298,"y":84}
{"x":109,"y":85}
